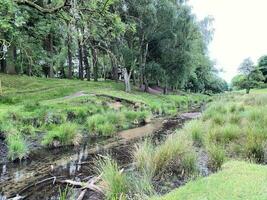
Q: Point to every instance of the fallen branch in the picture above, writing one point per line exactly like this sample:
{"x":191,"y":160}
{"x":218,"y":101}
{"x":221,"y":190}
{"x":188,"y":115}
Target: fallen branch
{"x":90,"y":185}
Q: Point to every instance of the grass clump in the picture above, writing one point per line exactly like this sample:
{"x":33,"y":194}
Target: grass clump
{"x":175,"y":152}
{"x":105,"y":125}
{"x":114,"y":179}
{"x":216,"y":157}
{"x":197,"y":130}
{"x":17,"y":147}
{"x":65,"y":134}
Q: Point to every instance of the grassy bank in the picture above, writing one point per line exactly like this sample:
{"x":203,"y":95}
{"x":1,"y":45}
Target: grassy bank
{"x":233,"y":127}
{"x":54,"y":112}
{"x":236,"y":181}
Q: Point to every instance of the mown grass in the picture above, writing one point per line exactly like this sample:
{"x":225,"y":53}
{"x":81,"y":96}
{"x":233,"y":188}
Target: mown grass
{"x":236,"y":181}
{"x":36,"y":105}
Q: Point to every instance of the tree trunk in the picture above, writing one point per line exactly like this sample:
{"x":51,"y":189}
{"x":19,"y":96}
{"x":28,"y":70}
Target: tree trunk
{"x":10,"y":60}
{"x":80,"y":59}
{"x":165,"y":90}
{"x":95,"y":63}
{"x":127,"y":77}
{"x":146,"y":84}
{"x":115,"y":75}
{"x":86,"y":62}
{"x":70,"y":65}
{"x":247,"y":90}
{"x":50,"y":49}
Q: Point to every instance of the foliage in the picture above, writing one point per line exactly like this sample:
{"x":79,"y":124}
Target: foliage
{"x":251,"y":76}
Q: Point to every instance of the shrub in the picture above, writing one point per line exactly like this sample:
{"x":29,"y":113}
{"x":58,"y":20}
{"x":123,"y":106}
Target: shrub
{"x":65,"y":134}
{"x":115,"y":181}
{"x":17,"y":147}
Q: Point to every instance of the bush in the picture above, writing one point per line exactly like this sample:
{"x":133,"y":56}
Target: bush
{"x":115,"y":181}
{"x":65,"y":134}
{"x":17,"y":147}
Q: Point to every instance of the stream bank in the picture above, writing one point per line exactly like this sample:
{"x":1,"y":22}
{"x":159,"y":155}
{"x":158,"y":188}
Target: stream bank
{"x":26,"y":178}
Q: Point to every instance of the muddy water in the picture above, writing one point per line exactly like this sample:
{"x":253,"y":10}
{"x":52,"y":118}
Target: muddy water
{"x":31,"y":179}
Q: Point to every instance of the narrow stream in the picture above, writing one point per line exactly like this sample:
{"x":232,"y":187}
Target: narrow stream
{"x":27,"y":179}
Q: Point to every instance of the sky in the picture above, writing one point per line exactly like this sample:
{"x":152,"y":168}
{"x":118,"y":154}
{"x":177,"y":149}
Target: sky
{"x":240,"y":31}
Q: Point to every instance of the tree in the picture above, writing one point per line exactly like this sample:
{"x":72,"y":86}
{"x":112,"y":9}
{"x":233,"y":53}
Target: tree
{"x":251,"y":77}
{"x":262,"y":64}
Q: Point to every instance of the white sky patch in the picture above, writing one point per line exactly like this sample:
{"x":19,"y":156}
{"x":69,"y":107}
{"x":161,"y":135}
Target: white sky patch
{"x":240,"y":31}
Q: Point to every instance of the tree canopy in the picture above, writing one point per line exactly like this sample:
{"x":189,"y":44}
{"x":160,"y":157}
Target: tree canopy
{"x":144,"y":42}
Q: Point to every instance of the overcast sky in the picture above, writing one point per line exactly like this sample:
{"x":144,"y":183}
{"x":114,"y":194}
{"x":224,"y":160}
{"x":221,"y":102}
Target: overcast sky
{"x":240,"y":31}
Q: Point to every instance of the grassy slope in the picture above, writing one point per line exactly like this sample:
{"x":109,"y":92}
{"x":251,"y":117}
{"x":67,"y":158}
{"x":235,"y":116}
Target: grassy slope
{"x":236,"y":181}
{"x":30,"y":105}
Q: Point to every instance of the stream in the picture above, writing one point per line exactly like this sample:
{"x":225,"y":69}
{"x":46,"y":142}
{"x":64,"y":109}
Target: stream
{"x":27,"y":179}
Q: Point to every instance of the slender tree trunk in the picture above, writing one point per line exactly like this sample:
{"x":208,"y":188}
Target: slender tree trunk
{"x":95,"y":63}
{"x":70,"y":65}
{"x":115,"y":75}
{"x":50,"y":49}
{"x":247,"y":90}
{"x":127,"y":77}
{"x":80,"y":59}
{"x":146,"y":84}
{"x":86,"y":62}
{"x":10,"y":59}
{"x":165,"y":90}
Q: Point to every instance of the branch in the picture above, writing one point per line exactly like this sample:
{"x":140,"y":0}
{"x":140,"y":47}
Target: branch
{"x":40,"y":8}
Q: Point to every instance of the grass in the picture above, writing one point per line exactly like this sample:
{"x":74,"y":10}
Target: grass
{"x":115,"y":181}
{"x":65,"y":134}
{"x":33,"y":105}
{"x":236,"y":181}
{"x":17,"y":147}
{"x":153,"y":160}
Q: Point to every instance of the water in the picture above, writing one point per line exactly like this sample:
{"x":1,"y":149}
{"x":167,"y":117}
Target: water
{"x":28,"y":178}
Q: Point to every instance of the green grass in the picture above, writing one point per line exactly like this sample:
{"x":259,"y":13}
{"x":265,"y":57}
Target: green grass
{"x":33,"y":105}
{"x":236,"y":181}
{"x":65,"y":134}
{"x":17,"y":147}
{"x":115,"y":181}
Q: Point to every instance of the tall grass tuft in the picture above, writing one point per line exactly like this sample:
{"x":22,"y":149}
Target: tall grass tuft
{"x":17,"y":147}
{"x":115,"y":181}
{"x":65,"y":134}
{"x":216,"y":156}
